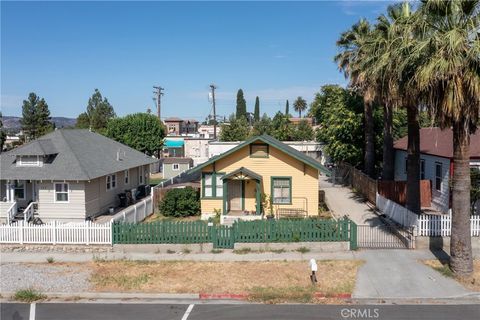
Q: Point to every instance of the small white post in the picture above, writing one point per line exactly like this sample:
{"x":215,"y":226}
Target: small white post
{"x":135,"y":214}
{"x":21,"y":232}
{"x":87,"y":233}
{"x":54,"y":232}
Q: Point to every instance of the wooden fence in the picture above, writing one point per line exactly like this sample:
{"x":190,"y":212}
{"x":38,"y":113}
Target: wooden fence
{"x":397,"y":191}
{"x":56,"y":233}
{"x":241,"y":231}
{"x":441,"y":225}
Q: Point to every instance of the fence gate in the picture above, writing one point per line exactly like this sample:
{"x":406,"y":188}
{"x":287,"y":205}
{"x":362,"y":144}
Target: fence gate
{"x":384,"y":237}
{"x":223,"y":237}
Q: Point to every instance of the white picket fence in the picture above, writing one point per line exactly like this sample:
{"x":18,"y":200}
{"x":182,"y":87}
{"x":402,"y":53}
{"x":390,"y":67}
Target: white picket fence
{"x":136,"y":213}
{"x":441,"y":225}
{"x":57,"y":233}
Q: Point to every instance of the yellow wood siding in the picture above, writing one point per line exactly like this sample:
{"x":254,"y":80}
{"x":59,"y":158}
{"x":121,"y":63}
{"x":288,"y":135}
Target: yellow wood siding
{"x":304,"y":179}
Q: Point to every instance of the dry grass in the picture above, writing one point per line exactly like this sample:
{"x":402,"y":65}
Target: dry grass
{"x":265,"y":281}
{"x":159,"y":217}
{"x":472,"y":283}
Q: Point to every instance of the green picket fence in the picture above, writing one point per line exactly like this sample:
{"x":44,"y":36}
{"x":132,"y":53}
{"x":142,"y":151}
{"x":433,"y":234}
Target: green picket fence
{"x":259,"y":231}
{"x":291,"y":230}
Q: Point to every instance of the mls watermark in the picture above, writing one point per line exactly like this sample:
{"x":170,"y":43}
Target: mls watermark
{"x":360,"y":313}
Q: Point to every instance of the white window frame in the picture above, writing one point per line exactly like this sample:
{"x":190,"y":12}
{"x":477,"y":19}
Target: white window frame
{"x":126,"y":176}
{"x":55,"y":192}
{"x":438,"y":177}
{"x":112,"y":182}
{"x":24,"y":189}
{"x":21,"y":163}
{"x":176,"y":164}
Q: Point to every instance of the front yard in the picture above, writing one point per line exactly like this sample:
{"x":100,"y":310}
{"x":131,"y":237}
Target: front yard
{"x":472,"y":283}
{"x":265,"y":281}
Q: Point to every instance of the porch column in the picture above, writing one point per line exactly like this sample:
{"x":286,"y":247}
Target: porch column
{"x":225,"y":192}
{"x":258,"y":197}
{"x":10,"y":192}
{"x":7,"y":190}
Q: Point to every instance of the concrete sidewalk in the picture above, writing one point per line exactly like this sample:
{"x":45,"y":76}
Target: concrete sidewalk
{"x":342,"y":201}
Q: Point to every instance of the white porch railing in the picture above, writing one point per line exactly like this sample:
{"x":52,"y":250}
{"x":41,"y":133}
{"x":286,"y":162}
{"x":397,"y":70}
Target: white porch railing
{"x":135,"y":213}
{"x":57,"y":233}
{"x":29,"y":211}
{"x":11,"y":212}
{"x":441,"y":225}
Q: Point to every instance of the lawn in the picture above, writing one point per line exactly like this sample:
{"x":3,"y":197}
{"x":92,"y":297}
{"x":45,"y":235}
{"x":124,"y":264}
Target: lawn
{"x":472,"y":283}
{"x":272,"y":281}
{"x":159,"y":217}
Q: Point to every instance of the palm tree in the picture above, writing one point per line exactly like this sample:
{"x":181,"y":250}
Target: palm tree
{"x":300,"y":105}
{"x":447,"y":54}
{"x":352,"y":52}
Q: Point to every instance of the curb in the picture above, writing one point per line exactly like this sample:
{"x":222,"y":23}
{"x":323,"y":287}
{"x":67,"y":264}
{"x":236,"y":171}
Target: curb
{"x":114,"y":295}
{"x":216,"y":296}
{"x":321,"y":295}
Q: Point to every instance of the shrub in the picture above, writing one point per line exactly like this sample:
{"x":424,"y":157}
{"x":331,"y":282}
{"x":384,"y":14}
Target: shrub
{"x":180,"y":203}
{"x":50,"y":260}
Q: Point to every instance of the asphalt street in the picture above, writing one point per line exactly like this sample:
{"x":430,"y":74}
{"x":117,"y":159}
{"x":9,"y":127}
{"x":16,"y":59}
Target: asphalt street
{"x":111,"y":311}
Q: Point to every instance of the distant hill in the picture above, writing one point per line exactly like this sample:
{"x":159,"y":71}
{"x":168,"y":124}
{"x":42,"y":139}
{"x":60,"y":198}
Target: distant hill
{"x":13,"y":123}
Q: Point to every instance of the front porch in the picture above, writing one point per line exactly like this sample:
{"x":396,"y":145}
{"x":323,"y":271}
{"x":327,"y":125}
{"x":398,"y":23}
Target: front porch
{"x":19,"y":200}
{"x":242,"y":193}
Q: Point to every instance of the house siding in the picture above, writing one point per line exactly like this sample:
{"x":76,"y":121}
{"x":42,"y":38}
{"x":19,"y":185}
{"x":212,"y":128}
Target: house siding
{"x":73,"y":210}
{"x":168,"y":171}
{"x":440,"y":199}
{"x":304,"y":179}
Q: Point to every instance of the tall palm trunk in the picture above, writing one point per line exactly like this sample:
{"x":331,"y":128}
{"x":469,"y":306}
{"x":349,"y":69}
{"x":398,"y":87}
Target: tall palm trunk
{"x":369,"y":141}
{"x":413,"y":160}
{"x":388,"y":153}
{"x":460,"y":243}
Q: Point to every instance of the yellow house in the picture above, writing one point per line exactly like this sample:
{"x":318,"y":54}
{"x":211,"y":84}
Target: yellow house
{"x":239,"y":181}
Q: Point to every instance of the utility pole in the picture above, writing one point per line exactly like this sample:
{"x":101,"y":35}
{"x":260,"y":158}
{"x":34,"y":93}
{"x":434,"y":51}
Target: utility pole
{"x":213,"y":87}
{"x":158,"y":95}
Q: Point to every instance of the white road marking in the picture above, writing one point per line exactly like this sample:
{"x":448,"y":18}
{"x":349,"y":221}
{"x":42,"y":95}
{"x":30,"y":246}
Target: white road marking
{"x":32,"y":311}
{"x":187,"y":313}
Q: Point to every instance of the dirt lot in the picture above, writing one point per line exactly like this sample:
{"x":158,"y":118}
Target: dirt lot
{"x":472,"y":283}
{"x":263,"y":280}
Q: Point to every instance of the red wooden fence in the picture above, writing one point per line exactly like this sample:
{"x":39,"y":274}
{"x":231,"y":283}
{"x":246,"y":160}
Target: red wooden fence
{"x":397,"y":191}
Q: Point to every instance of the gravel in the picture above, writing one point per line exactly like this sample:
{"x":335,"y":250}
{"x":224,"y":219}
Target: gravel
{"x":44,"y":278}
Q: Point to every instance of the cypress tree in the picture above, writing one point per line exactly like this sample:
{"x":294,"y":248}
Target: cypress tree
{"x":241,"y":105}
{"x":256,"y":112}
{"x":286,"y":108}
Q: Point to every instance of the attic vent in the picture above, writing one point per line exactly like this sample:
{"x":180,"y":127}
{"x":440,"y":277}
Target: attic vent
{"x":120,"y":154}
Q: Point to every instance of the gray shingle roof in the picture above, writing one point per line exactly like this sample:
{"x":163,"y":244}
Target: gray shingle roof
{"x":40,"y":147}
{"x":81,"y":155}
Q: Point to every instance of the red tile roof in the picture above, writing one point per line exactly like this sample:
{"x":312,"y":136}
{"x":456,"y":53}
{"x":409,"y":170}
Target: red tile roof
{"x":437,"y":142}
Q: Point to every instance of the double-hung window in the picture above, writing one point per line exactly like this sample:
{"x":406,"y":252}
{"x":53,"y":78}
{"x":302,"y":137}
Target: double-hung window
{"x":422,"y":169}
{"x":61,"y":192}
{"x":140,"y":175}
{"x":127,"y":176}
{"x":282,"y":190}
{"x":438,"y":176}
{"x":212,"y":185}
{"x":175,"y":167}
{"x":111,"y":181}
{"x":19,"y":189}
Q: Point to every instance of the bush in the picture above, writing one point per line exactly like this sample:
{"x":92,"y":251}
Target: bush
{"x":28,"y":295}
{"x":181,"y":203}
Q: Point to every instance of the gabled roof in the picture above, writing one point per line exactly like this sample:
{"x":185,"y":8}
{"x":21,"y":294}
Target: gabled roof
{"x":271,"y":141}
{"x":80,"y":155}
{"x":243,"y":172}
{"x":437,"y":142}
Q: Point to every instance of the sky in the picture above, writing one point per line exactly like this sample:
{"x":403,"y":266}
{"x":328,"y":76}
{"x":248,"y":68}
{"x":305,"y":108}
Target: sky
{"x":62,"y":51}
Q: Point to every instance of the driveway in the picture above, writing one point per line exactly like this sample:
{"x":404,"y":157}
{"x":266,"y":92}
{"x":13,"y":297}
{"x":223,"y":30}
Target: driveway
{"x":401,"y":274}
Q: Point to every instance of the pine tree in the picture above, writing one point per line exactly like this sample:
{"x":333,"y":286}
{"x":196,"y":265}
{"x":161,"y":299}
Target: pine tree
{"x":287,"y":108}
{"x":35,"y":117}
{"x":99,"y":111}
{"x":241,"y":105}
{"x":3,"y":134}
{"x":256,"y":113}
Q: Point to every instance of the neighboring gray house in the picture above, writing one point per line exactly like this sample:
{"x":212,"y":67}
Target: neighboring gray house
{"x":436,"y":162}
{"x":69,"y":175}
{"x":172,"y":167}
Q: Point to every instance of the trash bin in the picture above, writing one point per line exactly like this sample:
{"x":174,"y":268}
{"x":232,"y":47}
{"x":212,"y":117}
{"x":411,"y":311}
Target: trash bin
{"x":123,"y":199}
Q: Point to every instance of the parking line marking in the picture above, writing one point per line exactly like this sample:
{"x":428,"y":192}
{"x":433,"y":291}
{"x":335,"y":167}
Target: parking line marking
{"x":187,"y":313}
{"x":32,"y":311}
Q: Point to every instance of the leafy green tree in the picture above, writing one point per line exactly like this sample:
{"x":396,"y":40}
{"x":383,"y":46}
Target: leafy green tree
{"x":256,"y":113}
{"x":180,"y":203}
{"x":303,"y":132}
{"x":241,"y":105}
{"x":35,"y":117}
{"x":339,"y":113}
{"x":263,"y":126}
{"x":141,"y":131}
{"x":287,"y":107}
{"x":282,"y":128}
{"x":99,"y":112}
{"x":236,"y":130}
{"x":3,"y":134}
{"x":300,"y":105}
